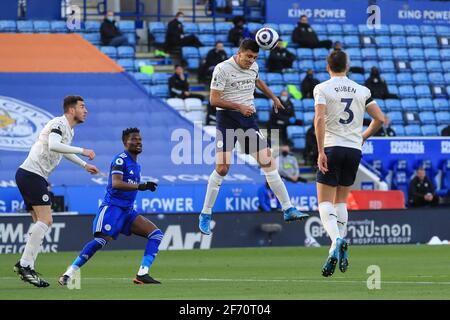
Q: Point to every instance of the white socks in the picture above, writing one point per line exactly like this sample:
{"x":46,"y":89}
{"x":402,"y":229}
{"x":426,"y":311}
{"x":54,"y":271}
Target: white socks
{"x":214,"y":182}
{"x":142,"y":271}
{"x":33,"y":245}
{"x":342,"y":218}
{"x":277,"y":185}
{"x":71,"y":270}
{"x":329,"y":221}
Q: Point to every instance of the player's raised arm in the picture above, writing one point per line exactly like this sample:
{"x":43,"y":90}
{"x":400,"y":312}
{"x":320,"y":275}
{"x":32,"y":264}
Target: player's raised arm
{"x":261,"y":85}
{"x":88,"y":167}
{"x":55,"y":145}
{"x":378,"y":120}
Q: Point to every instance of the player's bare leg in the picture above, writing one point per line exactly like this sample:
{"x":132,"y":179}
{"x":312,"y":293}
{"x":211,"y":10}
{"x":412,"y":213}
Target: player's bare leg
{"x":267,"y":163}
{"x":223,"y":162}
{"x":340,"y":204}
{"x":145,"y":228}
{"x":42,"y":216}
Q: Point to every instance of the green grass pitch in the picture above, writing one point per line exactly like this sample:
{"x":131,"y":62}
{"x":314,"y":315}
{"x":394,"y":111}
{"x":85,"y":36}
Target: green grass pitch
{"x":407,"y":272}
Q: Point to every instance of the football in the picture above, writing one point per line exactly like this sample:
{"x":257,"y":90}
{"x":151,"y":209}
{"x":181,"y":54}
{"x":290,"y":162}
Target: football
{"x":267,"y":38}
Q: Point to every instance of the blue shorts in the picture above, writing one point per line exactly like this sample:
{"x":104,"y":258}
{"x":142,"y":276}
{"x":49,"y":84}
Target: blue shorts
{"x":112,"y":220}
{"x":343,"y":166}
{"x":33,"y":188}
{"x":249,"y":136}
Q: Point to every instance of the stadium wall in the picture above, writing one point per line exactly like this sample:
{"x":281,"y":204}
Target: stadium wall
{"x":69,"y":233}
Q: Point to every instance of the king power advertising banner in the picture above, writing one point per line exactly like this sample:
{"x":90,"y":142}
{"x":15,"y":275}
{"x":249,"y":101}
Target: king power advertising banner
{"x":358,"y":11}
{"x":70,"y":233}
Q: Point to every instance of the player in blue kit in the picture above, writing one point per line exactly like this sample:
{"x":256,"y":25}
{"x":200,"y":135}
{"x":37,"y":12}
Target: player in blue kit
{"x":116,"y":214}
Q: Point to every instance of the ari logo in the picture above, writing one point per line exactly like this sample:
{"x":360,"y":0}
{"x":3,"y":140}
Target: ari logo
{"x":20,"y":124}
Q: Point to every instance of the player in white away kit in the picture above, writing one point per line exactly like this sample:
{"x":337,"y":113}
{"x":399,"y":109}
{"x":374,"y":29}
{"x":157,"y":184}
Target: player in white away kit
{"x":232,"y":88}
{"x":340,"y":104}
{"x":31,"y":178}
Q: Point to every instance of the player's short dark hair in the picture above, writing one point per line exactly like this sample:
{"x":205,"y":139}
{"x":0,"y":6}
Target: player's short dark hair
{"x":249,"y":44}
{"x":71,"y":101}
{"x":127,"y":132}
{"x":337,"y":60}
{"x":303,"y":15}
{"x":179,"y":13}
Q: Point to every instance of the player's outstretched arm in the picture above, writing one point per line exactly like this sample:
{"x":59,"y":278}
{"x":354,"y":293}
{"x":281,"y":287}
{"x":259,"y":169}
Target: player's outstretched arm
{"x":378,"y":120}
{"x":261,"y":85}
{"x":319,"y":126}
{"x":55,"y":145}
{"x":88,"y":167}
{"x":215,"y":98}
{"x":118,"y":183}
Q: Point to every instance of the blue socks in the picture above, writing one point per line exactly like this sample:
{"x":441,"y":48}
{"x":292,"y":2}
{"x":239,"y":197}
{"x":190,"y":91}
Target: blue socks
{"x":151,"y":250}
{"x":88,"y":251}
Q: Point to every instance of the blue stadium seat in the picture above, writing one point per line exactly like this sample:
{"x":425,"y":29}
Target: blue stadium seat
{"x":387,"y":66}
{"x":304,"y":65}
{"x":397,"y":29}
{"x":400,"y":53}
{"x":354,"y":53}
{"x":109,"y":51}
{"x":298,"y":105}
{"x":190,"y":27}
{"x":41,"y":26}
{"x":416,"y":53}
{"x":127,"y":26}
{"x":393,"y":105}
{"x":432,"y":53}
{"x":305,"y":53}
{"x":409,"y":105}
{"x":383,"y":41}
{"x":443,"y":117}
{"x":385,"y":53}
{"x":396,"y":117}
{"x":295,"y":132}
{"x":262,"y":76}
{"x":142,"y":77}
{"x":350,"y":30}
{"x":399,"y":130}
{"x":423,"y":91}
{"x":411,"y":118}
{"x":427,"y":117}
{"x":125,"y":52}
{"x":292,"y":78}
{"x":320,"y":29}
{"x":369,"y":53}
{"x":262,"y":104}
{"x":356,"y":63}
{"x":223,"y":27}
{"x":263,"y":116}
{"x":161,"y":91}
{"x":357,"y":77}
{"x":206,"y":28}
{"x":412,"y":30}
{"x":286,"y":29}
{"x":308,"y":105}
{"x":414,"y":42}
{"x":127,"y":64}
{"x":322,"y":76}
{"x":413,"y":130}
{"x":334,"y":29}
{"x":444,"y":185}
{"x":161,"y":78}
{"x":444,"y":54}
{"x":93,"y":38}
{"x":389,"y":77}
{"x":420,"y":78}
{"x":276,"y":89}
{"x":406,"y":91}
{"x":274,"y":78}
{"x":157,"y":27}
{"x":223,"y":38}
{"x":274,"y":26}
{"x":8,"y":26}
{"x":400,"y":181}
{"x":351,"y":41}
{"x":381,"y":104}
{"x":447,"y":77}
{"x":190,"y":52}
{"x":398,"y":41}
{"x":436,"y":78}
{"x":441,"y":105}
{"x":207,"y":39}
{"x":430,"y":42}
{"x":309,"y":118}
{"x":429,"y":130}
{"x":371,"y":63}
{"x":58,"y":26}
{"x":253,"y":27}
{"x":393,"y":89}
{"x":427,"y":30}
{"x":25,"y":26}
{"x":193,"y":63}
{"x":434,"y":66}
{"x":418,"y":66}
{"x":320,"y":65}
{"x":320,"y":53}
{"x":383,"y":30}
{"x":365,"y":31}
{"x":446,"y":67}
{"x":92,"y":26}
{"x":425,"y":104}
{"x":443,"y":31}
{"x":405,"y":78}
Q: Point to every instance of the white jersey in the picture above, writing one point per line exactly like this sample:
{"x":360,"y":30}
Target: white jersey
{"x":346,"y":102}
{"x":237,"y":84}
{"x":41,"y":160}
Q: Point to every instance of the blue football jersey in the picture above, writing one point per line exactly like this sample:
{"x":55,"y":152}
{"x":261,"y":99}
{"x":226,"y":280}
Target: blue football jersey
{"x":131,"y":173}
